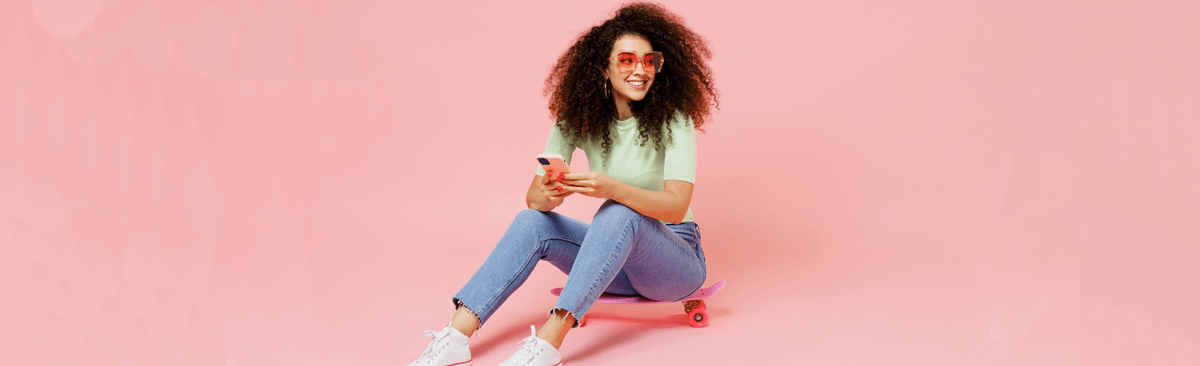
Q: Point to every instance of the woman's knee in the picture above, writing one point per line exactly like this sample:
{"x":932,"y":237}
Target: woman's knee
{"x":527,"y":226}
{"x":613,"y":210}
{"x":529,"y":217}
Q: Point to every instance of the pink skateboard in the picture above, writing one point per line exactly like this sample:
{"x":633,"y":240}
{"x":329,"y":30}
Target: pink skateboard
{"x":692,"y":305}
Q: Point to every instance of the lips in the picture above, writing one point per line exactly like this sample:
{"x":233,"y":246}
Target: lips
{"x":637,"y":84}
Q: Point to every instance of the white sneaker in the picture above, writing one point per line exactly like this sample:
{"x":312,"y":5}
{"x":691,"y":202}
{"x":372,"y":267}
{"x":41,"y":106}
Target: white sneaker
{"x":534,"y":352}
{"x":449,"y":347}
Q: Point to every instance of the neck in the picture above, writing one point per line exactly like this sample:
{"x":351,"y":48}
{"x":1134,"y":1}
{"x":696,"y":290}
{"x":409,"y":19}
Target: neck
{"x":624,"y":111}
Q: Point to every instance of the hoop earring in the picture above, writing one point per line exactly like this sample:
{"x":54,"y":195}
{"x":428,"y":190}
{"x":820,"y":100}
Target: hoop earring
{"x":606,"y":90}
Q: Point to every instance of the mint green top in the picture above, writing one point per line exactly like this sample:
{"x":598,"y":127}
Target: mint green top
{"x":637,"y":165}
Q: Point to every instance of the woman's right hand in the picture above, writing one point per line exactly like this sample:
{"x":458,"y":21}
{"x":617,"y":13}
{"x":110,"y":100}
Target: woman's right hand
{"x":546,"y":192}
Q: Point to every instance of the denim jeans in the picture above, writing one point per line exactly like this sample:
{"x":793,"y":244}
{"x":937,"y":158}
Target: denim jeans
{"x":620,"y":252}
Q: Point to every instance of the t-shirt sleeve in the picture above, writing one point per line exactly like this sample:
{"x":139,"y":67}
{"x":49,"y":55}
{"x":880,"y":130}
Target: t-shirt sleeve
{"x":679,"y":162}
{"x":556,"y":144}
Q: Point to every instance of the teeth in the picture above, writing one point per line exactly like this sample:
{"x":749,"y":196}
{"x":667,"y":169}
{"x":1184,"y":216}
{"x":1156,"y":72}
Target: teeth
{"x":638,"y":83}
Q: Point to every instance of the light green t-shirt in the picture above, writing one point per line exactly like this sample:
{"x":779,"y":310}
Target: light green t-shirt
{"x":639,"y":166}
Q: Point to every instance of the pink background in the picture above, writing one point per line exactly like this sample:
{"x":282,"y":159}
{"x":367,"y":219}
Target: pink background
{"x":886,"y":183}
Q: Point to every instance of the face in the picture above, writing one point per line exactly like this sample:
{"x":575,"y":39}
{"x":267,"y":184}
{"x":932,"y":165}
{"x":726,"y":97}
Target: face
{"x":628,"y":85}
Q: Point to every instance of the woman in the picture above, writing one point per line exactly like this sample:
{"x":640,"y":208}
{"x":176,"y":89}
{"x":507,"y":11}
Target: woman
{"x":630,"y":92}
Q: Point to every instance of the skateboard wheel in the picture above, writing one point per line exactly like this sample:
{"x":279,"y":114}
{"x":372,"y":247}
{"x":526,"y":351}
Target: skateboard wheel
{"x":698,"y":318}
{"x":582,"y":321}
{"x":697,"y":313}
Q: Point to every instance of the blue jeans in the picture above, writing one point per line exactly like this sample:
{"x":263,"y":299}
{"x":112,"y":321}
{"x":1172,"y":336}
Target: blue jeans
{"x":620,"y":252}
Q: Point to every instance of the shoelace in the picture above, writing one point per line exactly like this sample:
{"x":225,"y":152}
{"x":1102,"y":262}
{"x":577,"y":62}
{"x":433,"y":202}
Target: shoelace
{"x":529,"y":349}
{"x":435,"y":347}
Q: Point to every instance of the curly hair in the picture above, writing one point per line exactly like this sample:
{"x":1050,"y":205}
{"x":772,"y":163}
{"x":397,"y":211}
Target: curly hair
{"x":576,"y":83}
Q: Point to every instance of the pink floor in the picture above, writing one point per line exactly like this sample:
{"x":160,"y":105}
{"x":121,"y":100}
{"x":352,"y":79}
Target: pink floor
{"x":886,"y":183}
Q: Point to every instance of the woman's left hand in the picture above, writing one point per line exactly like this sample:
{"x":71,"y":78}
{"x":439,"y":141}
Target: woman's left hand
{"x":591,"y":184}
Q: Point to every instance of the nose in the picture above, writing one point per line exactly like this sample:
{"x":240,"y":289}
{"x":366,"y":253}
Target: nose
{"x":639,"y":66}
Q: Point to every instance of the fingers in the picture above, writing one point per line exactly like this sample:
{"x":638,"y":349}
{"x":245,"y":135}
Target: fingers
{"x":579,"y":183}
{"x":585,"y":179}
{"x":555,"y":190}
{"x":579,"y":176}
{"x":578,"y":189}
{"x":556,"y":186}
{"x":591,"y":184}
{"x":558,"y":200}
{"x":552,"y":177}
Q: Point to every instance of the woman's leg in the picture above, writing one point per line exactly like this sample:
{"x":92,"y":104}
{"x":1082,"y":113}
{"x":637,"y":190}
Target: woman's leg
{"x":531,"y":237}
{"x":648,"y":256}
{"x":668,"y":270}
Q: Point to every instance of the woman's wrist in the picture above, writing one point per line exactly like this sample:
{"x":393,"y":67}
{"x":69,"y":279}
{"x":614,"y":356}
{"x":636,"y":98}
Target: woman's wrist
{"x":620,"y":191}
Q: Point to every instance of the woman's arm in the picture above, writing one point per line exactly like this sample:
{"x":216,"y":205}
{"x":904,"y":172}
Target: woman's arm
{"x":670,"y":204}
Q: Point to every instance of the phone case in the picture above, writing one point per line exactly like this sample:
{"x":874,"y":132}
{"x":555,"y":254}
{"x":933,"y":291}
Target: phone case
{"x":553,"y":163}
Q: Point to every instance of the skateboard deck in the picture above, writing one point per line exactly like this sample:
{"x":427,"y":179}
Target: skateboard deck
{"x":693,"y":305}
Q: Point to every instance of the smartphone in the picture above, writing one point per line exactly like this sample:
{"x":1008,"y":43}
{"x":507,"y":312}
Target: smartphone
{"x":553,"y":164}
